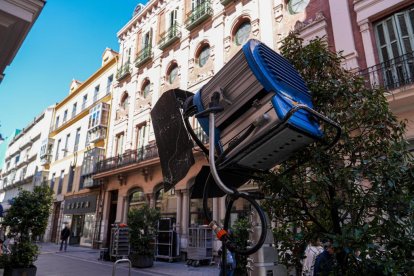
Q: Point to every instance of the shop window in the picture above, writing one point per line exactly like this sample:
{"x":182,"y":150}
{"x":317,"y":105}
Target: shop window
{"x":137,"y":199}
{"x":166,"y":202}
{"x":242,"y":33}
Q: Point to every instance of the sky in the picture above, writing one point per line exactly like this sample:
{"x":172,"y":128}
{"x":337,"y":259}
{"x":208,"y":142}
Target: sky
{"x":66,"y":42}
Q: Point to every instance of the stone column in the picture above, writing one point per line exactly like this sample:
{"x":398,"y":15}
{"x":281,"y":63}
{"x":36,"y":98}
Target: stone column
{"x":186,"y":212}
{"x":179,"y":211}
{"x":215,"y":209}
{"x":222,"y":209}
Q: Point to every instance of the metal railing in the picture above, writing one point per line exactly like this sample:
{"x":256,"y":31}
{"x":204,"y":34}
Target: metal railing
{"x":144,"y":55}
{"x":392,"y":74}
{"x":198,"y":14}
{"x":134,"y":156}
{"x":123,"y":71}
{"x":168,"y":37}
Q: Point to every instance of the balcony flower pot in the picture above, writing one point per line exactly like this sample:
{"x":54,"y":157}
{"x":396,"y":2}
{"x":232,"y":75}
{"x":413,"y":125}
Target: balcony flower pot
{"x":142,"y":225}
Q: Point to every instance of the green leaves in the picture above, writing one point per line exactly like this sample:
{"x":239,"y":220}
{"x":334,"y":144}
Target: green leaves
{"x":360,"y":192}
{"x":142,"y":225}
{"x":27,"y":218}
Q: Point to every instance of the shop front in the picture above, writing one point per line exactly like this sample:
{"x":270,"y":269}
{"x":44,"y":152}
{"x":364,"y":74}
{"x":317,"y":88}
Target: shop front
{"x":80,"y":214}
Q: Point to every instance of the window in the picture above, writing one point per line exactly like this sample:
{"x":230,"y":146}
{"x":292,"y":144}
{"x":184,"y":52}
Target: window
{"x":125,"y":101}
{"x":65,"y":150}
{"x":96,"y":93}
{"x":70,"y":181}
{"x":57,"y":150}
{"x":57,"y":122}
{"x":98,"y":115}
{"x":297,"y":6}
{"x":84,"y":101}
{"x":17,"y":159}
{"x":172,"y":23}
{"x":52,"y":181}
{"x":141,"y":135}
{"x":136,"y":199}
{"x":77,"y":138}
{"x":109,"y":84}
{"x":166,"y":202}
{"x":119,"y":144}
{"x":60,"y":185}
{"x":74,"y":107}
{"x":203,"y":55}
{"x":146,"y":87}
{"x":65,"y":116}
{"x":146,"y":42}
{"x":395,"y":42}
{"x":242,"y":33}
{"x":172,"y":73}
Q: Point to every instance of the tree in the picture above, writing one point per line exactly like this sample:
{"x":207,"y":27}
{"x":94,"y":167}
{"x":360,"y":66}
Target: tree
{"x":27,"y":219}
{"x":358,"y":194}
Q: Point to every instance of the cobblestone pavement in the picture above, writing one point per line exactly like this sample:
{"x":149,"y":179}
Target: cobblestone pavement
{"x":81,"y":261}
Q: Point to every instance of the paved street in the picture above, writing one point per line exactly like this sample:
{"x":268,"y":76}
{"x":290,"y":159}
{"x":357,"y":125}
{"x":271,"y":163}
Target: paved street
{"x":79,"y":261}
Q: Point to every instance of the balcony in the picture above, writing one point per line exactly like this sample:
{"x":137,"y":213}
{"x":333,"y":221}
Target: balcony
{"x":198,"y":15}
{"x":131,"y":157}
{"x":143,"y":56}
{"x":226,"y":2}
{"x":169,"y":37}
{"x":391,"y":74}
{"x":123,"y":71}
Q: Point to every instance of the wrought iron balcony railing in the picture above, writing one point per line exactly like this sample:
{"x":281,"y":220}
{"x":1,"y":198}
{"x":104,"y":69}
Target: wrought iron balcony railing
{"x":123,"y":71}
{"x":169,"y":37}
{"x":392,"y":74}
{"x":198,"y":15}
{"x":134,"y":156}
{"x":143,"y":56}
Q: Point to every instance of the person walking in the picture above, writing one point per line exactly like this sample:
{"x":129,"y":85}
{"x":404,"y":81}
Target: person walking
{"x":325,"y":262}
{"x":313,"y":249}
{"x":64,"y":235}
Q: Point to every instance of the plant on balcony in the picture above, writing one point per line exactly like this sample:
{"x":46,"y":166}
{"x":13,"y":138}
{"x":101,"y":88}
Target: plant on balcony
{"x":359,"y":194}
{"x":26,"y":219}
{"x":142,"y":225}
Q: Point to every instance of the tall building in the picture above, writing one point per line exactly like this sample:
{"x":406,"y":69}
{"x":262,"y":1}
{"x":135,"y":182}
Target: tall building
{"x":169,"y":44}
{"x":183,"y":43}
{"x":22,"y":169}
{"x":16,"y":19}
{"x":76,"y":141}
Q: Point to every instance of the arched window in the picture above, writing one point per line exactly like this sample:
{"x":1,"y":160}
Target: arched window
{"x":136,"y":199}
{"x":172,"y":73}
{"x":166,"y":202}
{"x":125,"y":101}
{"x":203,"y":55}
{"x":242,"y":33}
{"x":145,"y":89}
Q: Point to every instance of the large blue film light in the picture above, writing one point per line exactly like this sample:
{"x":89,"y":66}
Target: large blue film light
{"x":259,"y":88}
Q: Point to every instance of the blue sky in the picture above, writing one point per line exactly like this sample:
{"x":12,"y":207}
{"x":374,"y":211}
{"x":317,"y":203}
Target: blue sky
{"x":65,"y":43}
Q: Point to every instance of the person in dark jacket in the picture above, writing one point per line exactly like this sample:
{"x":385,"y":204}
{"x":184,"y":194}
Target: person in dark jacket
{"x":325,"y":262}
{"x":64,"y":235}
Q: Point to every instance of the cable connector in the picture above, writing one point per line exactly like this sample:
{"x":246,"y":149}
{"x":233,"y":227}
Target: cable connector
{"x":220,"y":232}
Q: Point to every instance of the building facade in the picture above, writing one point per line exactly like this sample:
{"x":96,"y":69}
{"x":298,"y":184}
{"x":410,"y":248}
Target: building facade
{"x":182,"y":44}
{"x":76,"y":141}
{"x":22,"y":168}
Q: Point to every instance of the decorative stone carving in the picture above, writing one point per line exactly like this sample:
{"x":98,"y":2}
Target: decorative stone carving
{"x":278,"y":12}
{"x":255,"y":27}
{"x":227,"y":43}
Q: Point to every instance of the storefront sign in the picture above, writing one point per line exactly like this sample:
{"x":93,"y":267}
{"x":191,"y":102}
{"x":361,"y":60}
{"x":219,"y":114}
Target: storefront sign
{"x":80,"y":205}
